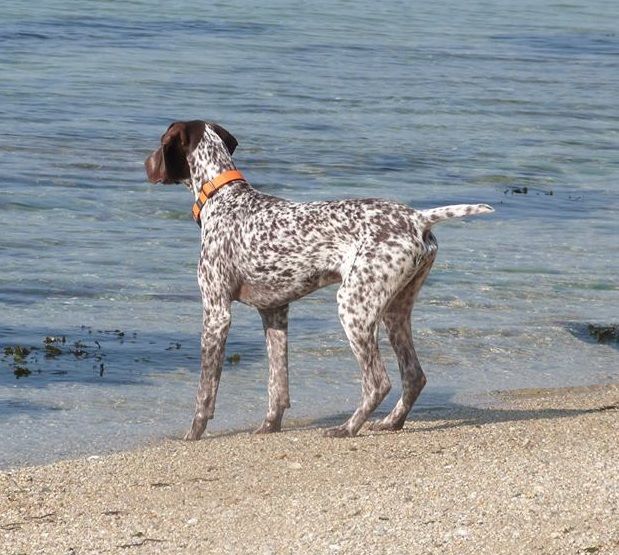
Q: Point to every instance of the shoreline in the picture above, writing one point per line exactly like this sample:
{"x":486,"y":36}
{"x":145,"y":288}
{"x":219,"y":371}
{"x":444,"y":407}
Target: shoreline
{"x":460,"y":400}
{"x":531,"y":470}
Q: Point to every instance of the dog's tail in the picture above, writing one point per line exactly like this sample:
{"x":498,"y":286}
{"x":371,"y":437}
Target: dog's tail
{"x":436,"y":215}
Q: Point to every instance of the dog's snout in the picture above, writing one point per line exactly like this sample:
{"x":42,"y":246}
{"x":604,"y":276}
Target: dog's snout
{"x":152,"y":166}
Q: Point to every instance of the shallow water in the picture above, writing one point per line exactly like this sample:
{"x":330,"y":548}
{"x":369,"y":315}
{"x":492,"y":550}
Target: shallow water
{"x":428,"y":105}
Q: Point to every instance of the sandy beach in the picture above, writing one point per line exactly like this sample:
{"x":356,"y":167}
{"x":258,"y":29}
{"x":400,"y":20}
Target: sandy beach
{"x":533,"y":471}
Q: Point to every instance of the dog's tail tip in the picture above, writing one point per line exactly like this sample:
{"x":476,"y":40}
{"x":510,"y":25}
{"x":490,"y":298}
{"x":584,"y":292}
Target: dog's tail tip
{"x":484,"y":209}
{"x":436,"y":215}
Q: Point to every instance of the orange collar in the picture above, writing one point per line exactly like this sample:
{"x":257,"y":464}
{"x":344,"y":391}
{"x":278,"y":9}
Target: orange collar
{"x":210,"y":187}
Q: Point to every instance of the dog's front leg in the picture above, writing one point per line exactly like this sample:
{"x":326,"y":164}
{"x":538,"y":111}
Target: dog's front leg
{"x":275,"y":323}
{"x":214,"y":333}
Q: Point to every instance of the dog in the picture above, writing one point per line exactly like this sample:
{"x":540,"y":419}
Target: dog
{"x":266,"y":252}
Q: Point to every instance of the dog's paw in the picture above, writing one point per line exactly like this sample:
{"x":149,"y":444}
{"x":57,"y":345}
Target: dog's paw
{"x":196,"y":430}
{"x":268,"y":427}
{"x":338,"y":431}
{"x":385,"y":425}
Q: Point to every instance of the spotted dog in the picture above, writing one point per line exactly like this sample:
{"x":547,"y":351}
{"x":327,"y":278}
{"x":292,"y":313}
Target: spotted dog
{"x":266,"y":252}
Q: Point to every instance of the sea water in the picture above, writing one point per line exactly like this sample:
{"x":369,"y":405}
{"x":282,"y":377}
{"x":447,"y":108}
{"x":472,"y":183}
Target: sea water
{"x":432,"y":103}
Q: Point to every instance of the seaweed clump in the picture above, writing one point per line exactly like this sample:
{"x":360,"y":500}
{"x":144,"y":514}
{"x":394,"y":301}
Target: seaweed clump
{"x":19,"y":355}
{"x":604,"y":334}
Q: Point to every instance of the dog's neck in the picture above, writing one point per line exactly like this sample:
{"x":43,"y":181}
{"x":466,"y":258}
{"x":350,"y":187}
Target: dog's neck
{"x":207,"y":161}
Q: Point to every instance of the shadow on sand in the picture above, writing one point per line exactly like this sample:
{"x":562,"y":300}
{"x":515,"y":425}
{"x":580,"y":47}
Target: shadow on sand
{"x":457,"y":415}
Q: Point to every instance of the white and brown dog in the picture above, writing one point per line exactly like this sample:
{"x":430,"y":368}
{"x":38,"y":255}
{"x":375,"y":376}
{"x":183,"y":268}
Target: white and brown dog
{"x":265,"y":252}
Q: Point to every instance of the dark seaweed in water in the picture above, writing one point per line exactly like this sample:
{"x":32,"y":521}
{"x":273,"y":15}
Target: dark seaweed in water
{"x":601,"y":334}
{"x":18,"y":352}
{"x":51,"y":339}
{"x":22,"y":360}
{"x":25,"y":360}
{"x":604,"y":334}
{"x":21,"y":371}
{"x":515,"y":190}
{"x":19,"y":355}
{"x":51,"y":351}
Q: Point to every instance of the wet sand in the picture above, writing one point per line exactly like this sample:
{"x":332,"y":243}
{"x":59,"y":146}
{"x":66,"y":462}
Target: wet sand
{"x":533,"y":471}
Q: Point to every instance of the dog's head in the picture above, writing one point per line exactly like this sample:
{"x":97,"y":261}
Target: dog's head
{"x":168,"y":164}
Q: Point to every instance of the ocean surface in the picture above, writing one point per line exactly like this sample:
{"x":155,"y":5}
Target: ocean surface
{"x":510,"y":104}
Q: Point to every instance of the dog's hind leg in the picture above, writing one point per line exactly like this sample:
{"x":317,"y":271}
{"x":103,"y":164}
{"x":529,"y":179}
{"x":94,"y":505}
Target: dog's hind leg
{"x":275,"y":323}
{"x":397,"y":320}
{"x":360,"y":304}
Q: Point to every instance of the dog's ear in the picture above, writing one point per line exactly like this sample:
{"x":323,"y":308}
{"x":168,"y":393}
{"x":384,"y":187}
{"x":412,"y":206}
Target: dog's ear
{"x":174,"y":157}
{"x":227,"y":137}
{"x":192,"y":133}
{"x":181,"y":138}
